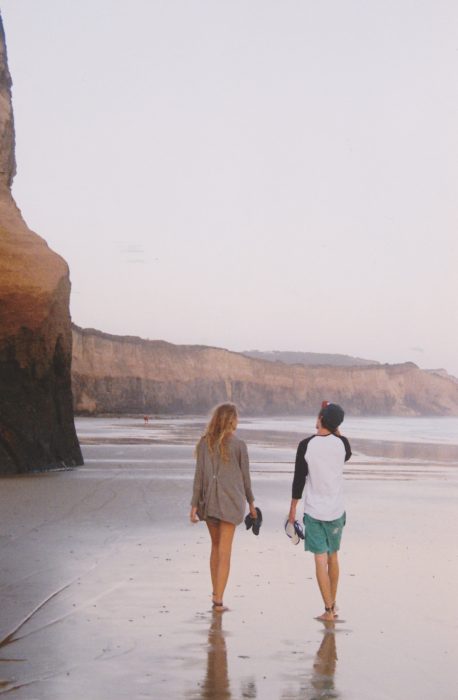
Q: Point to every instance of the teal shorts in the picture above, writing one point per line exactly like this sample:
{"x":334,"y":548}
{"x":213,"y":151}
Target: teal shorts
{"x":321,"y":536}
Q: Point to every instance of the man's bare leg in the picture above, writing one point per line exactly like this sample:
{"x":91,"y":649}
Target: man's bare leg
{"x":333,"y":572}
{"x":324,"y":583}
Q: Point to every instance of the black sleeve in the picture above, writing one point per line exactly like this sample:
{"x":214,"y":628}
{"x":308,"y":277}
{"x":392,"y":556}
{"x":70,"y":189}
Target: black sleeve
{"x":300,"y":470}
{"x":347,"y":447}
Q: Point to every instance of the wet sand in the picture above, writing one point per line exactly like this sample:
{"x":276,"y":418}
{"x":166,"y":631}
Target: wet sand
{"x":105,"y":587}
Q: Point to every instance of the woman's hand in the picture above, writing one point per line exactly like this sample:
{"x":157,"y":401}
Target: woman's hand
{"x":193,"y":515}
{"x":253,"y":511}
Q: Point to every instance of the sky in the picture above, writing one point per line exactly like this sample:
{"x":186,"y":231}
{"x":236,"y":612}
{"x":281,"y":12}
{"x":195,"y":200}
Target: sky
{"x":269,"y":174}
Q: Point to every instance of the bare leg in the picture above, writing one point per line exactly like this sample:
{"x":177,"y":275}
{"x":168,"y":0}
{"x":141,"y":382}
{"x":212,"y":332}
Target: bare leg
{"x":324,"y":583}
{"x":224,"y":558}
{"x":214,"y":530}
{"x":333,"y":571}
{"x":222,"y":535}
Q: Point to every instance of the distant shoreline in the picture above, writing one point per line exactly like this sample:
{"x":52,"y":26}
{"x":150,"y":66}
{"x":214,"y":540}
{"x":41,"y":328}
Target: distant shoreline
{"x":279,"y":433}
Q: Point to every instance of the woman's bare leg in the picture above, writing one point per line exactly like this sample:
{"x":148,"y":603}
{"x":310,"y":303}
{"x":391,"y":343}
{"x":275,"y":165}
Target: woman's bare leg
{"x":214,"y":530}
{"x":222,"y":535}
{"x":226,"y":536}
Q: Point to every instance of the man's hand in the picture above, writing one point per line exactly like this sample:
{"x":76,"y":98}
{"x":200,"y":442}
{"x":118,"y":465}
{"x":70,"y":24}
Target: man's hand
{"x":292,"y":511}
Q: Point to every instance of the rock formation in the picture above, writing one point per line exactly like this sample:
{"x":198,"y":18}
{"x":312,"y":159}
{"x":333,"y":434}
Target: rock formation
{"x":309,"y":358}
{"x":36,"y":415}
{"x":122,"y":374}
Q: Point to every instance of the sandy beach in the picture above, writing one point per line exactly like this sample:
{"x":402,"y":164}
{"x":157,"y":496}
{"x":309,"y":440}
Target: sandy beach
{"x":105,"y":586}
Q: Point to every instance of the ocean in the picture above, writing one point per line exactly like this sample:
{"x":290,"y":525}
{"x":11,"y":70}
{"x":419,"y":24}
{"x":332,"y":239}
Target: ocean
{"x":432,"y":430}
{"x":383,"y":446}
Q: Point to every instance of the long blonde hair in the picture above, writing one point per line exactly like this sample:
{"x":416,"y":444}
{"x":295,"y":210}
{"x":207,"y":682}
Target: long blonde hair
{"x":222,"y":424}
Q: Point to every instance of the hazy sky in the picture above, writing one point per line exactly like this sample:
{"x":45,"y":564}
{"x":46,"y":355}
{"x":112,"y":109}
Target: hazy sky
{"x":247,"y":173}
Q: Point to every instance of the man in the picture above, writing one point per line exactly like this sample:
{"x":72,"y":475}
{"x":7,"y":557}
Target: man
{"x":319,"y":467}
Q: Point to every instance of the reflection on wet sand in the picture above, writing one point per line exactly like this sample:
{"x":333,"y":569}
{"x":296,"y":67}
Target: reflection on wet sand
{"x":320,"y":682}
{"x":216,"y":684}
{"x":324,"y":666}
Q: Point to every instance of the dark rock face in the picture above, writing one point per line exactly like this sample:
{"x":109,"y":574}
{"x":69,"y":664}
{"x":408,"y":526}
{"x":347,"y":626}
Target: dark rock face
{"x":121,"y":374}
{"x":36,"y":415}
{"x":7,"y":152}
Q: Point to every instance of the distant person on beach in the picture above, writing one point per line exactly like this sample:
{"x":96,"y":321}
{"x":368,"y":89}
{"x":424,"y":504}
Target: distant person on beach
{"x":319,"y":467}
{"x":222,"y":487}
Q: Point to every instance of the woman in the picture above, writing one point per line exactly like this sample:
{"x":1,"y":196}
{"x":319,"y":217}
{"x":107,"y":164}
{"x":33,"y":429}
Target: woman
{"x":222,"y":486}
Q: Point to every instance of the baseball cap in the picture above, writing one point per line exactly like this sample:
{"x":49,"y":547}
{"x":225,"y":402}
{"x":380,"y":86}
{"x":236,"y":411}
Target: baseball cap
{"x":331,"y":415}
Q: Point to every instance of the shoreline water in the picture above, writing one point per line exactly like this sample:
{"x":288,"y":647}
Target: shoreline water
{"x":114,"y":580}
{"x":430,"y":429}
{"x":376,"y":441}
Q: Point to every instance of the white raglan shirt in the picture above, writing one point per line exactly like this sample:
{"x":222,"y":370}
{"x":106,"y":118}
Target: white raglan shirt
{"x":325,"y":457}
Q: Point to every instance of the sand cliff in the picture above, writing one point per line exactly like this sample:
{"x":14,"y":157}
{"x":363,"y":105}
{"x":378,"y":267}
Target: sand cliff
{"x":36,"y":416}
{"x":127,"y":374}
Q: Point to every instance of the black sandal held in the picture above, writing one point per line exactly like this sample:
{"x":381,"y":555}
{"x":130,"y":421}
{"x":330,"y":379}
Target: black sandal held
{"x":254,"y":523}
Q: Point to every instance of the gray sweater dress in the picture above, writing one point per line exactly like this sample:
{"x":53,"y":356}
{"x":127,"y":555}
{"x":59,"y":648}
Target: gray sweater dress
{"x":221,"y":489}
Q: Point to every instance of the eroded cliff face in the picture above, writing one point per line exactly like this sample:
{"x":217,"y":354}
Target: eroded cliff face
{"x":36,"y":414}
{"x":121,"y":374}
